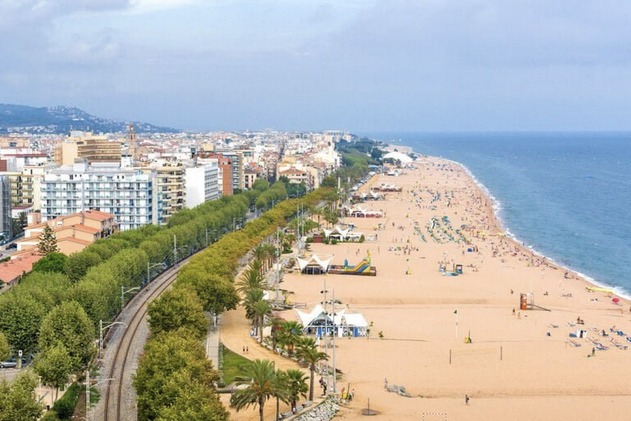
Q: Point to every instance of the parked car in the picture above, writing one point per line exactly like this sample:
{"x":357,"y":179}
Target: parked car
{"x":12,"y":363}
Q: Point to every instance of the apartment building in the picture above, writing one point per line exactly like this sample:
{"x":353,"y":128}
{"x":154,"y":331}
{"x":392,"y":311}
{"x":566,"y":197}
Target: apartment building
{"x":224,"y":171}
{"x":129,"y":194}
{"x":92,"y":148}
{"x":170,"y":184}
{"x":202,"y":183}
{"x":5,"y":209}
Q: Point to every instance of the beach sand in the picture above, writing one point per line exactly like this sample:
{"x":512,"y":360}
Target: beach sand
{"x":519,"y":365}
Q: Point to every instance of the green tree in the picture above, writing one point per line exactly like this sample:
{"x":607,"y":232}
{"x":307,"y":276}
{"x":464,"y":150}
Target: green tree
{"x":5,"y":350}
{"x":258,"y":378}
{"x":289,"y":335}
{"x":262,"y":309}
{"x":252,"y":278}
{"x":54,"y":367}
{"x":165,"y":356}
{"x":175,"y":309}
{"x":17,"y":399}
{"x":250,"y":298}
{"x":281,"y":389}
{"x":69,"y":325}
{"x":216,"y":292}
{"x":308,"y":352}
{"x":47,"y":288}
{"x":20,"y":318}
{"x":296,"y":384}
{"x":191,"y":401}
{"x":47,"y":241}
{"x":78,"y":264}
{"x":52,"y":262}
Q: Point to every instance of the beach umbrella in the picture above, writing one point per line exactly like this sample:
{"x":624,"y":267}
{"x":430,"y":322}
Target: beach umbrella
{"x":615,"y":300}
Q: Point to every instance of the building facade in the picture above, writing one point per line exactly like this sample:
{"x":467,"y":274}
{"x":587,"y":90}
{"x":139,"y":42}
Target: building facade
{"x":129,"y":194}
{"x":202,"y":184}
{"x":5,"y":209}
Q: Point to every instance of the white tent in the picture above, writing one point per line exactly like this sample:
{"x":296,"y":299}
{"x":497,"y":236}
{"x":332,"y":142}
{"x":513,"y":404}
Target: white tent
{"x":317,"y":321}
{"x":398,"y":156}
{"x":314,"y":264}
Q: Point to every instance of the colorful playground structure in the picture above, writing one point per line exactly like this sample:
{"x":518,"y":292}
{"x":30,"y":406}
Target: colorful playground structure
{"x":362,"y":268}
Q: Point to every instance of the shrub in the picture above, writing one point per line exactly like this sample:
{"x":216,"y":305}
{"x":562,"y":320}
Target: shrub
{"x":65,"y":406}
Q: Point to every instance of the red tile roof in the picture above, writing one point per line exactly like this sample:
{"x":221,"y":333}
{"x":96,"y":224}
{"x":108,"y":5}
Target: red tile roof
{"x":19,"y":264}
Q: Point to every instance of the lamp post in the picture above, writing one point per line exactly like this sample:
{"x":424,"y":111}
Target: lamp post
{"x":101,"y":329}
{"x":87,"y":392}
{"x":326,"y":328}
{"x":277,"y":265}
{"x":123,"y":292}
{"x":151,"y":266}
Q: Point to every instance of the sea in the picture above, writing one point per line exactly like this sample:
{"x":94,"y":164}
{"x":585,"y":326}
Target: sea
{"x":567,"y":196}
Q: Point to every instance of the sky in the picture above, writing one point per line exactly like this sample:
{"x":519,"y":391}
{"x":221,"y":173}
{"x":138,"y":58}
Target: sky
{"x":357,"y":65}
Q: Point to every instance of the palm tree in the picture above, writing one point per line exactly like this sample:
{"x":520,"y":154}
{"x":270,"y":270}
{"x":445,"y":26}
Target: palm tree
{"x":308,"y":352}
{"x":270,"y":253}
{"x":259,"y":377}
{"x":276,"y":324}
{"x":262,"y":309}
{"x":252,"y":278}
{"x":281,"y":389}
{"x":251,"y":297}
{"x":260,"y":254}
{"x":289,"y":335}
{"x":296,"y":386}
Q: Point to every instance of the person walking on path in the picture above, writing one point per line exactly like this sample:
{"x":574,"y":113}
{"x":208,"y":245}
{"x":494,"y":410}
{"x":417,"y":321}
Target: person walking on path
{"x":466,"y":399}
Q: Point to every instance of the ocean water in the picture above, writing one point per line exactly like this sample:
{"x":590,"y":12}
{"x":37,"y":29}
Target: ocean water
{"x":565,"y":195}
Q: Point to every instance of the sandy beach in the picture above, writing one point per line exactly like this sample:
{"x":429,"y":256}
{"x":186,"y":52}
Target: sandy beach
{"x":521,"y":363}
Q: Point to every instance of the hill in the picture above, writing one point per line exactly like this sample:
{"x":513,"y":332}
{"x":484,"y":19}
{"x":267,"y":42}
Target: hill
{"x":61,"y":120}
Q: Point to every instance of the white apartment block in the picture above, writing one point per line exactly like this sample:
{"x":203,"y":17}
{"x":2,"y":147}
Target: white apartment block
{"x":202,"y":183}
{"x":129,"y":194}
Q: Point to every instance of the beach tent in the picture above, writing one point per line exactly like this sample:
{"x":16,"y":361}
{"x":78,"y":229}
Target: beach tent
{"x":314,"y":265}
{"x":337,"y":233}
{"x":353,"y":324}
{"x":342,"y":235}
{"x":398,"y":156}
{"x":342,"y":323}
{"x":317,"y":321}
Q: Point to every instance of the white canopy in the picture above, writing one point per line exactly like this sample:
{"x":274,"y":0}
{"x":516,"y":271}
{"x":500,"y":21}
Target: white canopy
{"x":398,"y":156}
{"x":314,"y":260}
{"x":317,"y":313}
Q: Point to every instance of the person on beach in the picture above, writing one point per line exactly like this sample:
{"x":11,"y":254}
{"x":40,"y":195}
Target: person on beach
{"x":466,"y":399}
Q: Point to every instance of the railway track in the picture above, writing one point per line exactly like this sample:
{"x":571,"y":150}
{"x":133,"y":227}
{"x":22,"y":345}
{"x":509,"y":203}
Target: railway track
{"x":122,"y":355}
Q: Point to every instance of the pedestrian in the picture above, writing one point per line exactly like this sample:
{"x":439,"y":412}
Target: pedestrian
{"x":466,"y":399}
{"x":593,"y":351}
{"x":244,"y":349}
{"x":247,"y":349}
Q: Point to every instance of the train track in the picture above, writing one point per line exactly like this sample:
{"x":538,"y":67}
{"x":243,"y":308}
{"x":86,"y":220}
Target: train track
{"x":122,"y":361}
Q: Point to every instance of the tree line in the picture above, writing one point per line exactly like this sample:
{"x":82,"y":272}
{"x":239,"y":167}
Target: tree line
{"x":54,"y":311}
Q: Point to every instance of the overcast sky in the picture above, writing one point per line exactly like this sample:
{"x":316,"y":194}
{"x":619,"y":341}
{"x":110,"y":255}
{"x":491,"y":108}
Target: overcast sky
{"x":359,"y":65}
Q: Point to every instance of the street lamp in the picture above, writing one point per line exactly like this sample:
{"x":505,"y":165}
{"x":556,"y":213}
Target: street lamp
{"x":123,"y":292}
{"x":151,"y":266}
{"x":87,"y":391}
{"x":326,"y":329}
{"x":101,"y":329}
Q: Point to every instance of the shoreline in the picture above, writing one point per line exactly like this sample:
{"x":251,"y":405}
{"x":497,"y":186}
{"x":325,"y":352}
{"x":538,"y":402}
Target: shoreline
{"x":503,"y":227}
{"x":423,"y":316}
